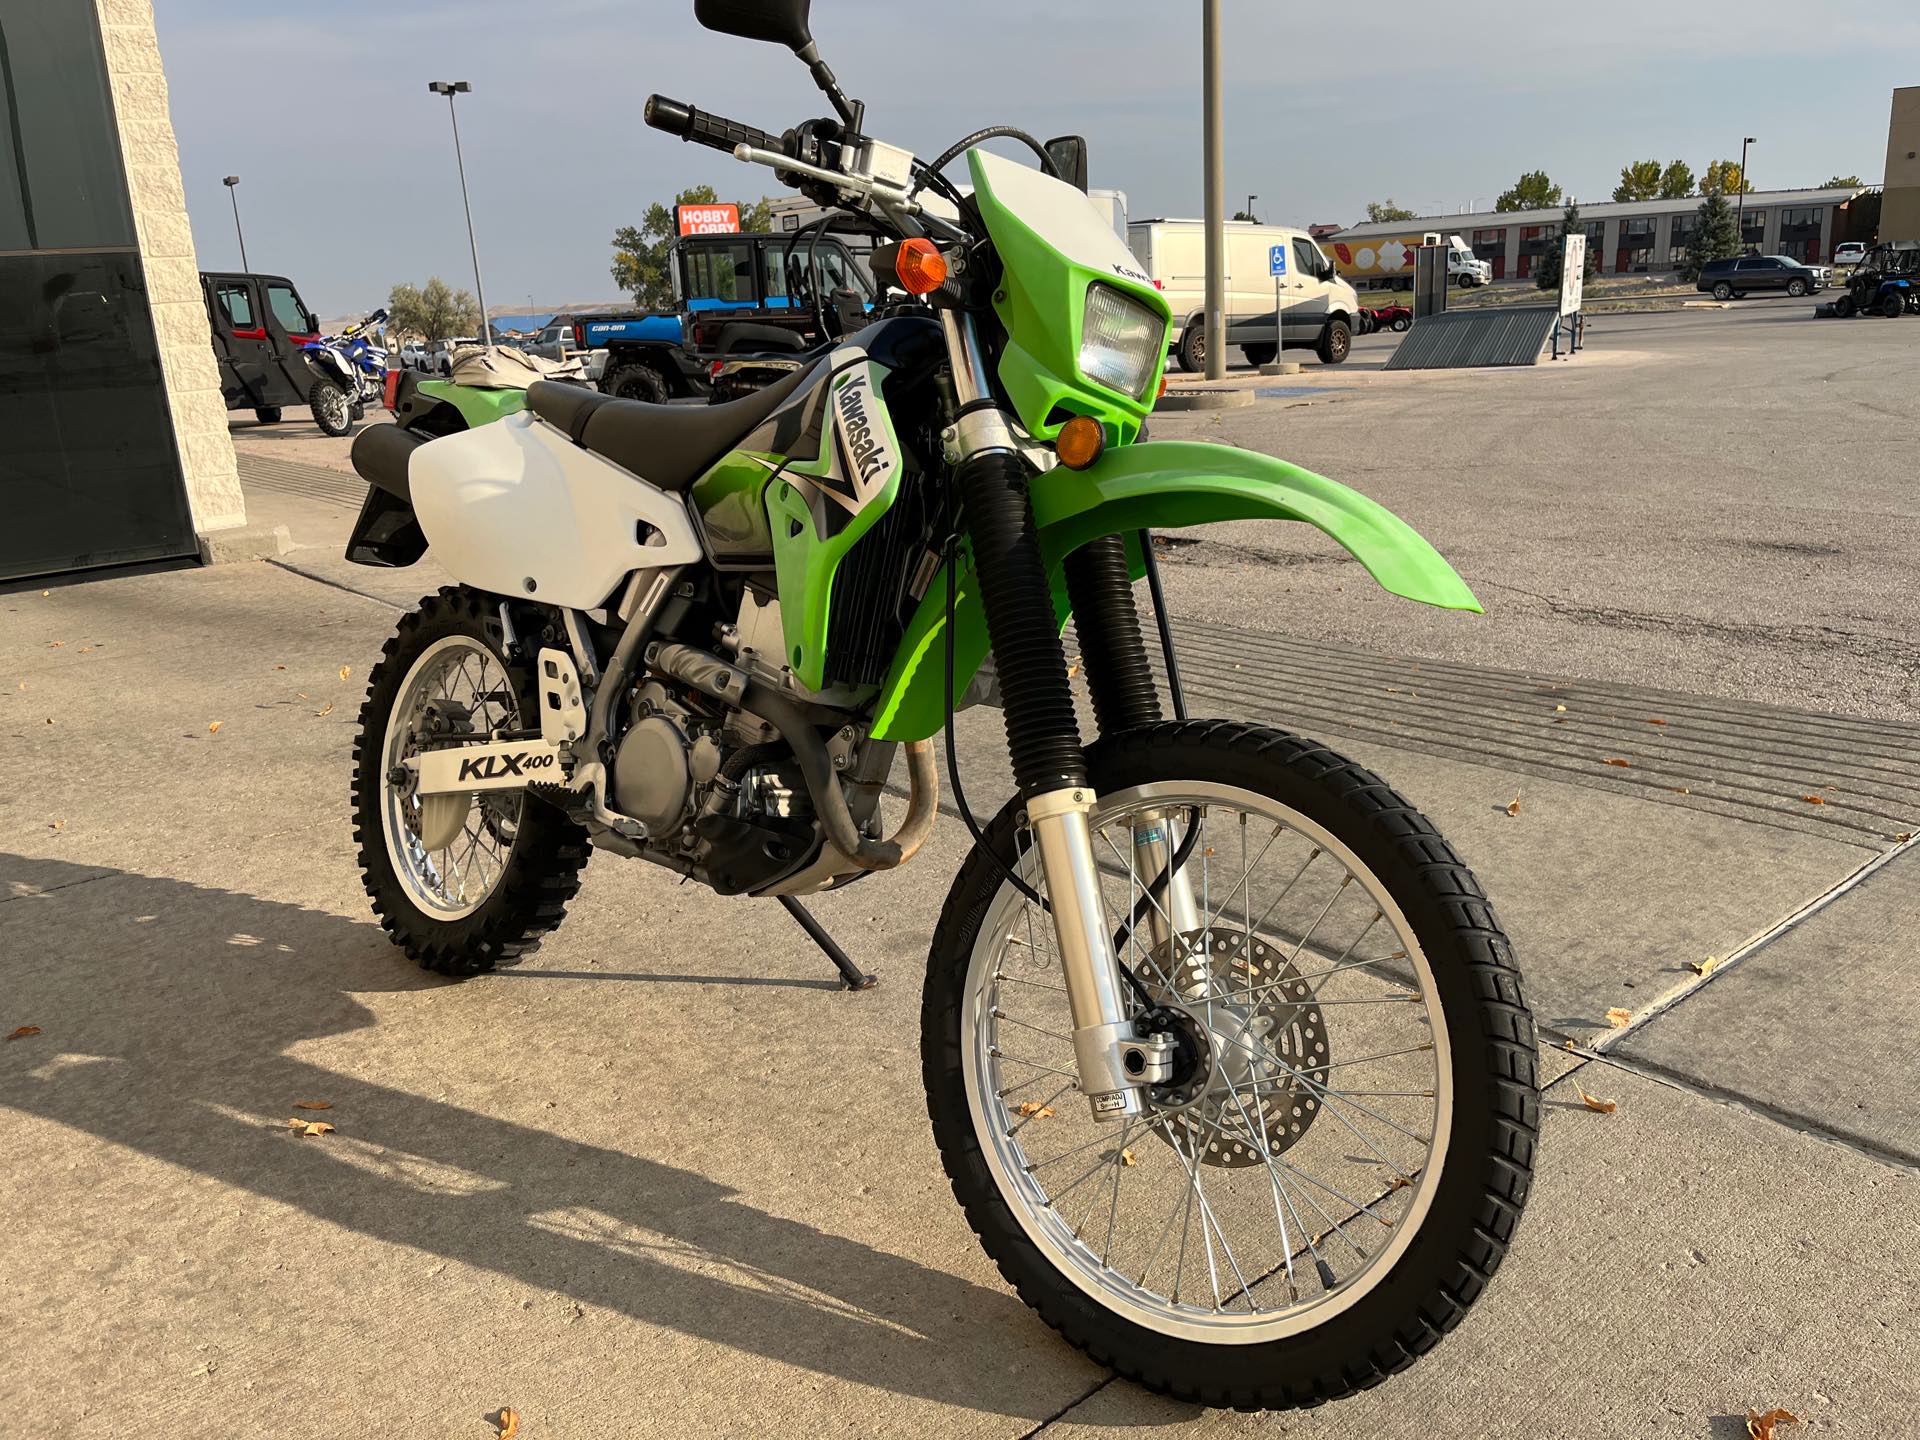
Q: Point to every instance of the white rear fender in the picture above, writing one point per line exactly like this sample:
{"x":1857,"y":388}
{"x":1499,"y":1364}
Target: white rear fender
{"x":516,"y":508}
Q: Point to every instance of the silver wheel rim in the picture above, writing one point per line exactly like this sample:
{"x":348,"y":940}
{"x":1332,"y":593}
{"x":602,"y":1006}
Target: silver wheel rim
{"x":1238,"y":1248}
{"x":333,"y":404}
{"x":451,"y":881}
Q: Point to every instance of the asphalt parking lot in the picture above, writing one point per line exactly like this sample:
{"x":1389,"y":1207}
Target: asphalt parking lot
{"x":1722,"y":498}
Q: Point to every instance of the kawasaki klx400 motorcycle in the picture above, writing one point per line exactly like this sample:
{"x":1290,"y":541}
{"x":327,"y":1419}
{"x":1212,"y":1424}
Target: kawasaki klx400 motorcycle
{"x":1224,"y":1050}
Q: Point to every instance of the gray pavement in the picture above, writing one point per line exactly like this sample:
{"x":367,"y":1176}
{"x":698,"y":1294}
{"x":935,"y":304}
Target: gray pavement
{"x":603,"y":1188}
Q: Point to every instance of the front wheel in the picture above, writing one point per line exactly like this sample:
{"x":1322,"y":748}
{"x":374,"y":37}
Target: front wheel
{"x":332,"y":408}
{"x":1336,"y":1166}
{"x":1401,"y":325}
{"x":1336,"y":343}
{"x":635,"y":382}
{"x":1723,"y":291}
{"x":1843,"y":306}
{"x":1894,"y":305}
{"x":1796,"y":288}
{"x":267,"y":414}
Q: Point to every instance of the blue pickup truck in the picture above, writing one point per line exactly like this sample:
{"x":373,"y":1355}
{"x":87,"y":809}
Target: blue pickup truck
{"x":736,"y":294}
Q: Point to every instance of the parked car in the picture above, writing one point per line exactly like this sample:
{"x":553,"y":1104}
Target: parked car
{"x":1390,"y":317}
{"x":414,"y":355}
{"x":1734,"y":277}
{"x":440,"y":361}
{"x":556,"y":342}
{"x":1852,"y":252}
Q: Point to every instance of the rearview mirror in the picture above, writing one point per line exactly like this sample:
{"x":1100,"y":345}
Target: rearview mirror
{"x":1069,"y":156}
{"x":783,"y":22}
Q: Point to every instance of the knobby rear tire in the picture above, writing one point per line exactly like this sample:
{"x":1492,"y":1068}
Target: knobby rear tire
{"x":549,"y":849}
{"x":1484,"y":1184}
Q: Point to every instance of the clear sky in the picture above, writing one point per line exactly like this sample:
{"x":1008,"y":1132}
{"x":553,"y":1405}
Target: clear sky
{"x":348,"y":181}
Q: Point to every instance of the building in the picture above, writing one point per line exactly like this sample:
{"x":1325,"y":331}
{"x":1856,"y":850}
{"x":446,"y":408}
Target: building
{"x":113,"y":432}
{"x":1638,"y":235}
{"x":1900,"y":207}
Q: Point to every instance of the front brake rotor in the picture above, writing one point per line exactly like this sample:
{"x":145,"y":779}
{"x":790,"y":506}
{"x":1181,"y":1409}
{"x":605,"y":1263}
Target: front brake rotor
{"x":1266,"y":1042}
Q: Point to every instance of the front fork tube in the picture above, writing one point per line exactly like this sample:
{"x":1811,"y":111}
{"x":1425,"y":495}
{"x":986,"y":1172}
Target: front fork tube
{"x":1114,"y":1061}
{"x":1171,"y":908}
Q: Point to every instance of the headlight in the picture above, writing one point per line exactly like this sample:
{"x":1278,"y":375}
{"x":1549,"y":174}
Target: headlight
{"x":1121,"y":341}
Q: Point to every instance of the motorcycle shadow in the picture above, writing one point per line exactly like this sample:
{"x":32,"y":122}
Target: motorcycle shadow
{"x":168,"y":1009}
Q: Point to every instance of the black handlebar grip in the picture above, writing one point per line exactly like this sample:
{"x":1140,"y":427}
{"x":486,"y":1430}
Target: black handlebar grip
{"x":704,"y":128}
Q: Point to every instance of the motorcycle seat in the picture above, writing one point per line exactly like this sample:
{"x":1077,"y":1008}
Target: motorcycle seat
{"x":669,"y":446}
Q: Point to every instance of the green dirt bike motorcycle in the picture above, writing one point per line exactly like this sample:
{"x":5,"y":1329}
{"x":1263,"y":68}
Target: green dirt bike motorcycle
{"x":1224,"y":1050}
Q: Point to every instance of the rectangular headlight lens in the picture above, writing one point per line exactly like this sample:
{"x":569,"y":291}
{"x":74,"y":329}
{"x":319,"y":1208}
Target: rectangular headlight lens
{"x":1121,"y":341}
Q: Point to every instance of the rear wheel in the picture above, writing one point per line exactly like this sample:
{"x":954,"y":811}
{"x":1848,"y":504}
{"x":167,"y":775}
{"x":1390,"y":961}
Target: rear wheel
{"x":1893,"y":305}
{"x":1336,"y":343}
{"x":635,"y":382}
{"x":331,"y":407}
{"x":1843,"y":306}
{"x":1192,"y":352}
{"x":1402,"y":323}
{"x":1337,"y":1165}
{"x":268,"y":414}
{"x":462,"y":883}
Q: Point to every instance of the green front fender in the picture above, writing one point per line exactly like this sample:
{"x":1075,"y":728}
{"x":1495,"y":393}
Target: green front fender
{"x":476,"y":406}
{"x":1162,"y":485}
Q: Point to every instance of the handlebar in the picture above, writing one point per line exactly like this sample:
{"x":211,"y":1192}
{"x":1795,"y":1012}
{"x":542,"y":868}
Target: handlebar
{"x":704,"y":128}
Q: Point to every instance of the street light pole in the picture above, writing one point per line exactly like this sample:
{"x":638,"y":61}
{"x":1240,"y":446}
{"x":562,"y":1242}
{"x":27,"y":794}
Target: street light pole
{"x":232,"y":182}
{"x":1215,"y":319}
{"x":1250,"y":215}
{"x":450,"y":88}
{"x":1740,"y":197}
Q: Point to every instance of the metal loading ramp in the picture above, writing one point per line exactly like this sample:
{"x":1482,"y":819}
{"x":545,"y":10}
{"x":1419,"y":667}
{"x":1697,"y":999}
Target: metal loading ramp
{"x":1464,"y":339}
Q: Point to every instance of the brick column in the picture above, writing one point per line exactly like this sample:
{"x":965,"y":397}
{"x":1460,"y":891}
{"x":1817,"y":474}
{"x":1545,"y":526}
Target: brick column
{"x":180,"y":323}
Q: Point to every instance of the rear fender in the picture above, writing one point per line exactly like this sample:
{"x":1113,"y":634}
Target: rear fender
{"x":1161,"y":485}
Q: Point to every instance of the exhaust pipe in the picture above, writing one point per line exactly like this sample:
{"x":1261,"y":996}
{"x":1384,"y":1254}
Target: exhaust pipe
{"x":731,"y":685}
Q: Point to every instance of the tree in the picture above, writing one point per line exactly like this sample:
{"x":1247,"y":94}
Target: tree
{"x":640,"y":252}
{"x":1532,"y":191}
{"x":1724,"y":177}
{"x":1386,"y":209}
{"x":1714,"y":236}
{"x":1845,"y":182}
{"x":1246,"y":215}
{"x":1639,"y":181}
{"x":1676,"y":181}
{"x":433,"y":311}
{"x":1547,"y":276}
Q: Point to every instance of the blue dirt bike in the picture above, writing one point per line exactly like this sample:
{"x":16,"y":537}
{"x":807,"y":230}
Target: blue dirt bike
{"x":352,"y":371}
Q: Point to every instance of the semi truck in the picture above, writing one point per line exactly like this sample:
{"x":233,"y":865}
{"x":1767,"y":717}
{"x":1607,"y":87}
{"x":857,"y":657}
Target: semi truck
{"x":1373,"y":262}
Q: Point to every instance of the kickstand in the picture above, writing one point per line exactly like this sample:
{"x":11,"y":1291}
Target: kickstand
{"x":850,"y":974}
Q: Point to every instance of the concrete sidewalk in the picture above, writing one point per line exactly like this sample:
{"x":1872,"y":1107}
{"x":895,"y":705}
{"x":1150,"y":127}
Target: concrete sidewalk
{"x":604,"y":1189}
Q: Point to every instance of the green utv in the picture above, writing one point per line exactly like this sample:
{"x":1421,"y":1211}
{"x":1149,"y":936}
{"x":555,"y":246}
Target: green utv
{"x":1224,"y":1050}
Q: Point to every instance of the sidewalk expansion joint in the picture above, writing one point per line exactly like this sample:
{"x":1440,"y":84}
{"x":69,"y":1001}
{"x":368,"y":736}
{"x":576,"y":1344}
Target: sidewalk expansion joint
{"x":1604,"y":1045}
{"x":1072,"y":1404}
{"x":332,"y":584}
{"x":1792,"y":1120}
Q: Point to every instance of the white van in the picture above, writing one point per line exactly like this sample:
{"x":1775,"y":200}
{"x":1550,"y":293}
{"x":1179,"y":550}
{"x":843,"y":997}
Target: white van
{"x":1320,"y":310}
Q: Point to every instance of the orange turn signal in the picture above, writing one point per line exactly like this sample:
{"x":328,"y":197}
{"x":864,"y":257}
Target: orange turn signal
{"x":920,"y":266}
{"x":1080,"y":442}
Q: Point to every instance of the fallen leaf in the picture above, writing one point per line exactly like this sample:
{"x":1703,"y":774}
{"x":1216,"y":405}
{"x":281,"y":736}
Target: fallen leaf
{"x":509,"y":1422}
{"x":309,"y":1127}
{"x":1681,"y":790}
{"x":1814,"y":799}
{"x":45,"y":593}
{"x":1034,"y":1110}
{"x":1398,"y":1182}
{"x":213,"y":727}
{"x":1760,"y":1427}
{"x":55,"y":644}
{"x":1655,"y":720}
{"x":1568,"y":1045}
{"x":86,"y":649}
{"x":1616,"y":760}
{"x":1594,"y":1102}
{"x":328,"y":710}
{"x":1514,"y":808}
{"x":279,"y":667}
{"x":345,"y":671}
{"x":1903,"y":837}
{"x":58,"y":825}
{"x":313,"y":1104}
{"x":1617,"y":1017}
{"x":1704,"y":967}
{"x":24,"y":1031}
{"x":1126,"y":1158}
{"x":49,"y":719}
{"x":1560,"y":708}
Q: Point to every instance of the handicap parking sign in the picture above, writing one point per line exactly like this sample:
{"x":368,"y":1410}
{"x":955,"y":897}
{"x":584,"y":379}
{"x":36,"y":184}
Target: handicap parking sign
{"x":1277,"y":260}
